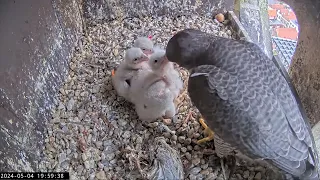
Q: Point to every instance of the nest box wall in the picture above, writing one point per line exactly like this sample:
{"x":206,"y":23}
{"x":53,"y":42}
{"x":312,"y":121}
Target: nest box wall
{"x":37,"y":39}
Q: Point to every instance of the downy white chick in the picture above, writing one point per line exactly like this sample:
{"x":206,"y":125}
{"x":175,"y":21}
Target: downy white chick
{"x":155,"y":91}
{"x":145,"y":44}
{"x":149,"y":103}
{"x":134,"y":61}
{"x":164,"y":69}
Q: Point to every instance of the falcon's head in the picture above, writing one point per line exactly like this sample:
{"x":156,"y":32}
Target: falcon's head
{"x":187,"y":47}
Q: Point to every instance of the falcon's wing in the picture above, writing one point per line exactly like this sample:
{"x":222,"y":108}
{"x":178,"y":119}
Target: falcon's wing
{"x":281,"y":85}
{"x":255,"y":48}
{"x":246,"y":60}
{"x":248,"y":115}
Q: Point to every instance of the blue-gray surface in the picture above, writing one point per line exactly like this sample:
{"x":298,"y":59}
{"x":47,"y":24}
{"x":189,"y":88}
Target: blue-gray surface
{"x":273,"y":1}
{"x":295,"y":22}
{"x":285,"y":49}
{"x":275,"y":22}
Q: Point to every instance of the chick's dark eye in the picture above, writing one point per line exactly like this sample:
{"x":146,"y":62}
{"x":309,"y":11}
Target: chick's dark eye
{"x":155,"y":61}
{"x":136,"y":59}
{"x":143,"y":49}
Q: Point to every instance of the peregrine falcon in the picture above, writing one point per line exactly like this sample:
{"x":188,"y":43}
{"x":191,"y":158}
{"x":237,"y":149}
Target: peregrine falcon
{"x":246,"y":100}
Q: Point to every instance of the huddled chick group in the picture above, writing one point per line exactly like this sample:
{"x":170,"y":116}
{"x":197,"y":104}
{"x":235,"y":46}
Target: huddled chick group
{"x":148,"y":80}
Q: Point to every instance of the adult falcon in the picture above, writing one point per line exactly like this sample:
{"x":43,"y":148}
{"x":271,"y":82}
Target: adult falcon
{"x":246,"y":100}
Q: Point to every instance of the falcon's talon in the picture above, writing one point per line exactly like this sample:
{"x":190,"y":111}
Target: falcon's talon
{"x":207,"y":131}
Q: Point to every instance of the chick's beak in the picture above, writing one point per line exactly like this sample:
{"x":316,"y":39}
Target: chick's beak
{"x":165,"y":61}
{"x":113,"y":72}
{"x":147,"y":52}
{"x":144,"y":58}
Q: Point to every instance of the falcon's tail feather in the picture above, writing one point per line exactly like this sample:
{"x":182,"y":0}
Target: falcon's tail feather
{"x":300,"y":170}
{"x":311,"y":173}
{"x":290,"y":177}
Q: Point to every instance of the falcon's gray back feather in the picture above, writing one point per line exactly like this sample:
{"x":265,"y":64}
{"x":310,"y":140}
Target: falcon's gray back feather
{"x":246,"y":100}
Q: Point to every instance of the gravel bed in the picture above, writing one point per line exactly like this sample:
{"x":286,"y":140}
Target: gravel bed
{"x":95,"y":134}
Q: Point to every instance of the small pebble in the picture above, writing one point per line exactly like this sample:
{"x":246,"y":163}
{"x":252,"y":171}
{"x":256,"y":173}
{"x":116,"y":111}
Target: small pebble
{"x":204,"y":166}
{"x":189,"y":148}
{"x":174,"y":137}
{"x":251,"y":176}
{"x":239,"y":176}
{"x":195,"y":170}
{"x":181,"y":139}
{"x":192,"y":177}
{"x":246,"y":174}
{"x":100,"y":165}
{"x":87,"y":164}
{"x":258,"y":176}
{"x":196,"y":135}
{"x":80,"y":169}
{"x":183,"y":149}
{"x":187,"y":141}
{"x":98,"y":144}
{"x":199,"y":177}
{"x":70,"y":104}
{"x":95,"y":89}
{"x":84,"y":156}
{"x":205,"y":172}
{"x":110,"y":156}
{"x":188,"y":156}
{"x":84,"y":94}
{"x":196,"y":161}
{"x":211,"y":176}
{"x":122,"y":122}
{"x":154,"y":124}
{"x":62,"y":157}
{"x":61,"y":106}
{"x":126,"y":135}
{"x":101,"y":175}
{"x":196,"y":147}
